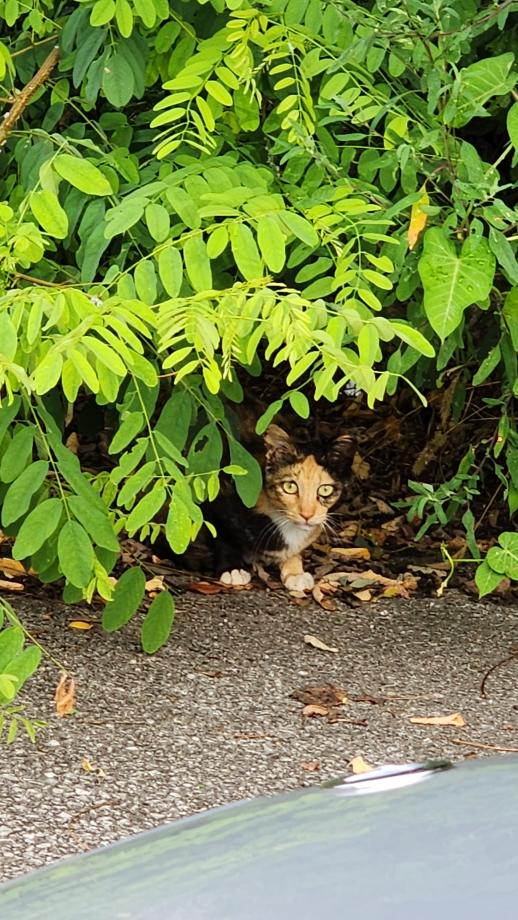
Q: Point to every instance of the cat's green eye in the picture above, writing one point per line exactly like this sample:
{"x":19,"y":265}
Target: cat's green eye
{"x":325,"y":491}
{"x":290,"y":487}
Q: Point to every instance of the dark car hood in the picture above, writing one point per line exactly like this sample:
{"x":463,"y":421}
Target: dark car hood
{"x":446,"y":847}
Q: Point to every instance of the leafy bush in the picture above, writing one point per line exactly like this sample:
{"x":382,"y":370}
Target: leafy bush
{"x":328,"y":187}
{"x":18,"y":661}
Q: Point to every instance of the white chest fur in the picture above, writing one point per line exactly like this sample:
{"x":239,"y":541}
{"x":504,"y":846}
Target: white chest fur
{"x":296,"y":537}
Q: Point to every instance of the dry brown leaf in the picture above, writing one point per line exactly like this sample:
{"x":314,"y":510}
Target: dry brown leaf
{"x":311,"y":766}
{"x":11,"y":585}
{"x":91,"y":767}
{"x":11,"y":567}
{"x":80,"y":624}
{"x":326,"y":695}
{"x":349,"y":530}
{"x":360,"y":468}
{"x":72,"y":442}
{"x":418,"y":219}
{"x":382,"y":506}
{"x":351,"y":552}
{"x":390,"y":527}
{"x":359,"y":765}
{"x":397,"y":590}
{"x":206,"y":587}
{"x":314,"y":709}
{"x":155,"y":584}
{"x":317,"y":643}
{"x":65,"y":696}
{"x":454,"y":719}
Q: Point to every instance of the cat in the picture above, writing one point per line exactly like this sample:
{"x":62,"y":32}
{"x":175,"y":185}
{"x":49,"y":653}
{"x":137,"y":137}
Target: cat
{"x":302,"y":482}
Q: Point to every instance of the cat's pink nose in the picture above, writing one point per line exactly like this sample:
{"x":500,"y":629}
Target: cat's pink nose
{"x":306,"y":516}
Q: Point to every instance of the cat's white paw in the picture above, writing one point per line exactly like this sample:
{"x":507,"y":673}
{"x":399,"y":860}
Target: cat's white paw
{"x":302,"y":582}
{"x":236,"y":578}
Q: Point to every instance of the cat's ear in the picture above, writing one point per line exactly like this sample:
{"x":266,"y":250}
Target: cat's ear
{"x":340,"y":455}
{"x":279,"y":446}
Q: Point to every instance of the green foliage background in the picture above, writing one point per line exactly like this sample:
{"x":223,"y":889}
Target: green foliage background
{"x":211,"y":184}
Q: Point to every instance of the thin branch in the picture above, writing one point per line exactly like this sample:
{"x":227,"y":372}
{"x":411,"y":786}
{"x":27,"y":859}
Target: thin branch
{"x":24,"y":96}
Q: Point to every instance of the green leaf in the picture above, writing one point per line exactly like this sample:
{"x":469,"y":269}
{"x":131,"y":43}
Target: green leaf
{"x":130,"y":427}
{"x":218,"y":92}
{"x":480,"y":82}
{"x":453,"y":282}
{"x":18,"y":454}
{"x":268,"y":415}
{"x":157,"y":220}
{"x":197,"y":263}
{"x":103,"y":11}
{"x":48,"y":372}
{"x":157,"y":624}
{"x":504,"y":558}
{"x":184,"y":206}
{"x":82,"y":174}
{"x":486,"y":579}
{"x":178,"y":526}
{"x":170,"y":270}
{"x":19,"y":494}
{"x":127,"y":597}
{"x":487,"y":366}
{"x":271,"y":243}
{"x":245,"y":251}
{"x":48,"y":212}
{"x":117,"y":81}
{"x":300,"y":227}
{"x":146,"y":509}
{"x":414,"y":338}
{"x":512,"y":125}
{"x":11,"y":644}
{"x":123,"y":217}
{"x":504,"y":252}
{"x":247,"y":487}
{"x":299,"y":403}
{"x":25,"y":664}
{"x":37,"y":527}
{"x":8,"y":339}
{"x":145,"y":281}
{"x":75,"y":554}
{"x":97,"y":524}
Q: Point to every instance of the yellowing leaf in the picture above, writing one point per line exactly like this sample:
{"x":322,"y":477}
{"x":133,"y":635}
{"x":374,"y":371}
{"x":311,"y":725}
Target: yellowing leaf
{"x":454,"y":719}
{"x":317,"y":643}
{"x":80,"y":624}
{"x":418,"y":219}
{"x":351,"y":552}
{"x":359,"y":765}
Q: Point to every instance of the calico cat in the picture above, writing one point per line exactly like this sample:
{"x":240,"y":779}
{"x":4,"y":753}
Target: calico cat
{"x":302,"y":482}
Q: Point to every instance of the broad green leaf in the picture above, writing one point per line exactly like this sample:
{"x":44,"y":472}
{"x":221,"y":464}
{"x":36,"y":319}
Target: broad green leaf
{"x":18,"y":454}
{"x":197,"y":263}
{"x":157,"y":220}
{"x":453,"y":281}
{"x":503,"y":559}
{"x":82,"y":174}
{"x":37,"y":527}
{"x":145,"y":281}
{"x":117,"y":81}
{"x":103,"y":11}
{"x":300,"y":227}
{"x":245,"y":251}
{"x":218,"y":92}
{"x":184,"y":206}
{"x":75,"y":554}
{"x":127,"y":597}
{"x":217,"y":241}
{"x":11,"y":643}
{"x":124,"y":17}
{"x":271,"y":243}
{"x":24,"y":665}
{"x":146,"y":509}
{"x":48,"y":372}
{"x":178,"y":526}
{"x":300,"y":403}
{"x":129,"y":428}
{"x":48,"y":212}
{"x":19,"y":494}
{"x":479,"y":82}
{"x":504,"y":252}
{"x":487,"y":366}
{"x":486,"y":579}
{"x":157,"y":624}
{"x":123,"y":217}
{"x":247,"y":487}
{"x":97,"y":524}
{"x":512,"y":125}
{"x":170,"y":270}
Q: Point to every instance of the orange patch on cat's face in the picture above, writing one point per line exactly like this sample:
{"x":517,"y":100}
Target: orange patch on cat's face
{"x":303,"y":506}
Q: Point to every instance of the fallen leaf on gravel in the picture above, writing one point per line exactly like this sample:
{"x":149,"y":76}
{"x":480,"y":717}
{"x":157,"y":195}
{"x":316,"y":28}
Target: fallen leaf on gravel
{"x":80,"y":624}
{"x":351,"y":552}
{"x":454,"y":719}
{"x":364,"y":595}
{"x":11,"y":567}
{"x":313,"y":709}
{"x":359,"y":765}
{"x":11,"y":585}
{"x":317,"y":643}
{"x":319,"y":596}
{"x":91,"y":767}
{"x":327,"y":695}
{"x":155,"y":584}
{"x":65,"y":696}
{"x":206,"y":587}
{"x":311,"y":766}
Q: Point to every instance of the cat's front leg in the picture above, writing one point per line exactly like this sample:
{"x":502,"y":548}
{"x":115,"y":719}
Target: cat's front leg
{"x":293,"y":576}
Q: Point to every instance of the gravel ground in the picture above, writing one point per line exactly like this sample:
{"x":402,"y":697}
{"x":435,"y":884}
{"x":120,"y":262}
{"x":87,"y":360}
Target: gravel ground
{"x":209,"y":719}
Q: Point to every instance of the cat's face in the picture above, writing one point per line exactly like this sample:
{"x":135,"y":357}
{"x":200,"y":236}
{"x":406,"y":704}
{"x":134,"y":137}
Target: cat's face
{"x":303,"y":486}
